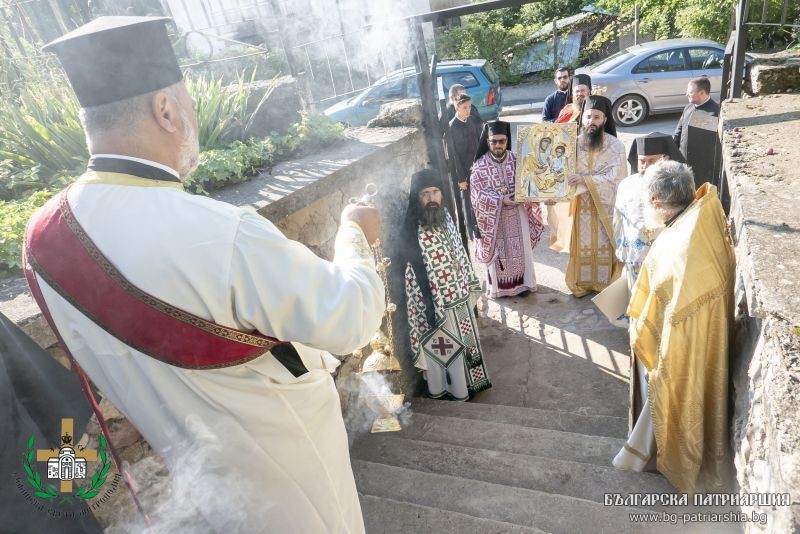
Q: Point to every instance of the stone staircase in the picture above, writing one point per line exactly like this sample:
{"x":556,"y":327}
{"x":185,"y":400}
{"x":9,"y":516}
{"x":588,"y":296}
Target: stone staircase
{"x":532,"y":454}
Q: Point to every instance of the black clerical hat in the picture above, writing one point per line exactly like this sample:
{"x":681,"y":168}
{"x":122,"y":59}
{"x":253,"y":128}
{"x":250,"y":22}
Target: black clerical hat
{"x":115,"y":58}
{"x":603,"y":104}
{"x":579,"y":79}
{"x":652,"y":144}
{"x":497,"y":127}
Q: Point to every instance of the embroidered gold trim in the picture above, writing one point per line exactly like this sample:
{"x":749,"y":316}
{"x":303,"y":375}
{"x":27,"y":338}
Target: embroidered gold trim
{"x":118,"y":178}
{"x":171,"y":311}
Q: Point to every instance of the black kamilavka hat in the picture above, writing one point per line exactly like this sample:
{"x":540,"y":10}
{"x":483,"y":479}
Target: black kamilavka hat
{"x":650,"y":145}
{"x":492,"y":128}
{"x":116,"y":58}
{"x":603,"y":104}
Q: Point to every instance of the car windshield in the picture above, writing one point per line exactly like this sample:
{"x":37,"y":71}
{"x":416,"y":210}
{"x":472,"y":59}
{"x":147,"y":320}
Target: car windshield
{"x":607,"y":64}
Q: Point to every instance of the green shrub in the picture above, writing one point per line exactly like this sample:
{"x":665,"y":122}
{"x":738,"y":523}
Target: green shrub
{"x":218,"y":168}
{"x":14,"y":216}
{"x":242,"y":160}
{"x":42,"y":141}
{"x":488,"y":41}
{"x":40,"y":138}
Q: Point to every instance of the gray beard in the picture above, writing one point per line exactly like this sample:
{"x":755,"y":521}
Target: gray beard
{"x":432,"y":216}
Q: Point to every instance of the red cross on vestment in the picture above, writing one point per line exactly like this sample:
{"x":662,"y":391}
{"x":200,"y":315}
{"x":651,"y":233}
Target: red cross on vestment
{"x":445,"y":276}
{"x":450,"y":293}
{"x":442,"y":345}
{"x":438,"y":256}
{"x":427,"y":237}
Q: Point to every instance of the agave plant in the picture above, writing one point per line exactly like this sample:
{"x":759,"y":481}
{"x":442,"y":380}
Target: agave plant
{"x":221,"y":111}
{"x":40,"y":133}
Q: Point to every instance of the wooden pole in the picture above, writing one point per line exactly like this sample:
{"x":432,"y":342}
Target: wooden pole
{"x":636,"y":24}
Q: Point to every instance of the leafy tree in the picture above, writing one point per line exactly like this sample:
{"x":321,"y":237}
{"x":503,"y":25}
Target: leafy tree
{"x":538,"y":14}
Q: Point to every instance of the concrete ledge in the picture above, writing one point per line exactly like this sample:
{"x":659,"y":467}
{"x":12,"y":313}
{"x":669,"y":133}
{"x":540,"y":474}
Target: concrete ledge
{"x":522,"y":109}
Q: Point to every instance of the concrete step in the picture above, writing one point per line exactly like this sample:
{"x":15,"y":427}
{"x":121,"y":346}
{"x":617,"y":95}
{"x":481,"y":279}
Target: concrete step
{"x":387,"y":516}
{"x":596,"y":425}
{"x":550,"y":475}
{"x":506,"y":437}
{"x":496,"y":502}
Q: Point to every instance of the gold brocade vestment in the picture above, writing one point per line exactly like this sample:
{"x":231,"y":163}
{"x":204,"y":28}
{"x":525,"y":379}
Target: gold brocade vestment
{"x":592,"y":264}
{"x":681,"y":314}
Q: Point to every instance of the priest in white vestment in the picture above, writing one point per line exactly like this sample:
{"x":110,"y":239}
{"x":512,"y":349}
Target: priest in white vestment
{"x":255,"y":448}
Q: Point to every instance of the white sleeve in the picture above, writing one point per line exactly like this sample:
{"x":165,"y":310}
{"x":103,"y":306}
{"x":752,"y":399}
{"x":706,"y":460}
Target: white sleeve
{"x":282,"y":289}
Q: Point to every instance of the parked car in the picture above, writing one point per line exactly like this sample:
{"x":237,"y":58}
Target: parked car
{"x":651,"y":78}
{"x":476,"y":75}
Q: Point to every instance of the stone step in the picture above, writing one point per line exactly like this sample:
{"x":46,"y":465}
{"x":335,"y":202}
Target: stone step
{"x":387,"y":516}
{"x":550,"y":475}
{"x":506,"y":437}
{"x":496,"y":502}
{"x":597,"y":425}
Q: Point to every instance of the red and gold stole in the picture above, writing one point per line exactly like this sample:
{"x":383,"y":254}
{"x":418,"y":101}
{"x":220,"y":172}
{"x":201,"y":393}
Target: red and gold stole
{"x":58,"y":249}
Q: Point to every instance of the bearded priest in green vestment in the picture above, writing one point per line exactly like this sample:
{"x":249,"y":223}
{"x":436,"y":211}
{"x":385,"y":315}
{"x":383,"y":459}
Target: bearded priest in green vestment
{"x":441,"y":290}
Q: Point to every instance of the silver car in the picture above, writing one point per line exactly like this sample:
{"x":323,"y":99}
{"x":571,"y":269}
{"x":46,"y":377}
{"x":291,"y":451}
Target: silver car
{"x":651,"y":78}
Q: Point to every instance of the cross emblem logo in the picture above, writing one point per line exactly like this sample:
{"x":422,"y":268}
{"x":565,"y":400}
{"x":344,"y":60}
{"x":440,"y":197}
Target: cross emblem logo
{"x":442,"y":346}
{"x":70,"y":463}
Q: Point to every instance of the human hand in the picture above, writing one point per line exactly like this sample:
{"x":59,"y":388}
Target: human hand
{"x":462,"y":185}
{"x":576,"y":180}
{"x":508,"y":200}
{"x":367,"y":217}
{"x":550,"y":202}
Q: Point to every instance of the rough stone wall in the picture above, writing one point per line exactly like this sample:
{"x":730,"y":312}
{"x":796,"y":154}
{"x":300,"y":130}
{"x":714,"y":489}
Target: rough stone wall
{"x":774,"y":73}
{"x":759,"y":137}
{"x":311,"y":216}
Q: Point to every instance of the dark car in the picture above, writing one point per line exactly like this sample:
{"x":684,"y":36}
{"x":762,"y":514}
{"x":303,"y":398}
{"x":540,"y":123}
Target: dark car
{"x":476,"y":75}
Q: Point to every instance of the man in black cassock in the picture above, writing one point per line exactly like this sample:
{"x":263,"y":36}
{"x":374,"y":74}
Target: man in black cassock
{"x":699,"y":94}
{"x":465,"y":131}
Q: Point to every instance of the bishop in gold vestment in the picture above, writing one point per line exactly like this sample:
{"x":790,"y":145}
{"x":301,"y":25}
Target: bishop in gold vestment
{"x":681,"y":313}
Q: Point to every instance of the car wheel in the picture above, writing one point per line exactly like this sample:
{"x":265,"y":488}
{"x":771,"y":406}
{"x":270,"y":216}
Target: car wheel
{"x":630,"y":110}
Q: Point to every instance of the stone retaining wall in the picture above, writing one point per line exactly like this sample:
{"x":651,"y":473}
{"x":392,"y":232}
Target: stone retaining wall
{"x":765,"y":367}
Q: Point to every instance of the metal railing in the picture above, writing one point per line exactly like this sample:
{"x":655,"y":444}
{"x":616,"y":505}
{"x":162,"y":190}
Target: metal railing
{"x":733,"y":71}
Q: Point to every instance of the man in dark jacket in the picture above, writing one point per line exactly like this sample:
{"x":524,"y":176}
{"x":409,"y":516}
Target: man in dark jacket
{"x":554,"y":103}
{"x":699,"y":94}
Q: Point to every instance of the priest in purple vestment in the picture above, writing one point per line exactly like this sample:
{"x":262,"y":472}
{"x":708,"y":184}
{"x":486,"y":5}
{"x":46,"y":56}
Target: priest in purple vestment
{"x":509,"y":229}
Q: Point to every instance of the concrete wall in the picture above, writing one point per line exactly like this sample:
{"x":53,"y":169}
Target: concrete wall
{"x":765,"y":366}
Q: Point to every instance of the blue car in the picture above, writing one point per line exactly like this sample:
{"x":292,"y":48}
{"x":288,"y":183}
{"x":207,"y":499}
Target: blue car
{"x":476,"y":75}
